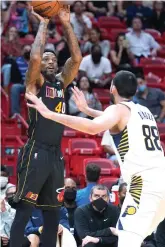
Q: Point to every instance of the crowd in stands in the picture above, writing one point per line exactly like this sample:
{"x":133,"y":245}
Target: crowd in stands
{"x":113,"y":36}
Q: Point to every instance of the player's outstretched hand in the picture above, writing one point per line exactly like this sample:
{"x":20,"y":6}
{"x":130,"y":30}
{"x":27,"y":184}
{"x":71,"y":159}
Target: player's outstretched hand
{"x":64,"y":14}
{"x":38,"y":105}
{"x":39,"y":17}
{"x":79,"y":99}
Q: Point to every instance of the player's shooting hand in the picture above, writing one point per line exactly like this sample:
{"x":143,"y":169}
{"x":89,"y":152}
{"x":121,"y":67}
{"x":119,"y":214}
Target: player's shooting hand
{"x":64,"y":14}
{"x":38,"y":105}
{"x":79,"y":99}
{"x":39,"y":17}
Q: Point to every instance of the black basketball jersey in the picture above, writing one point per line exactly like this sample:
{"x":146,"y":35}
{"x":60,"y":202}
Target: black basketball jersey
{"x":44,"y":130}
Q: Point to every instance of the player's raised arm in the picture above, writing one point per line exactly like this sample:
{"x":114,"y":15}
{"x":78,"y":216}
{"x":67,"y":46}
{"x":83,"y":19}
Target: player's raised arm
{"x":71,"y":66}
{"x":109,"y":119}
{"x":33,"y":75}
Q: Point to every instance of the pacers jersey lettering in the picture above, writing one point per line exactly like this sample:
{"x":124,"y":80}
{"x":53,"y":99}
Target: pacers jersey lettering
{"x":42,"y":129}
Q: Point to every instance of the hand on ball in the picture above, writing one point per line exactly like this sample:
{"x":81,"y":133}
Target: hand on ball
{"x":64,"y":14}
{"x":39,"y":17}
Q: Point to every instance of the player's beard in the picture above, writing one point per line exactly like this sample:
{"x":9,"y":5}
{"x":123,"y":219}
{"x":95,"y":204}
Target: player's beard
{"x":49,"y":77}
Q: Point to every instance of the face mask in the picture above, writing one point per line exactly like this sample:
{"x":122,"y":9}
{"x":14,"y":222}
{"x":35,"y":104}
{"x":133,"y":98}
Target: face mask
{"x":11,"y":201}
{"x":3,"y":181}
{"x":20,"y":10}
{"x":70,"y":195}
{"x":142,"y":88}
{"x":96,"y":57}
{"x":99,"y":204}
{"x":27,"y":55}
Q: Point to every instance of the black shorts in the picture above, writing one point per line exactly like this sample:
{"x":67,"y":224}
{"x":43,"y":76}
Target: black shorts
{"x":40,"y":175}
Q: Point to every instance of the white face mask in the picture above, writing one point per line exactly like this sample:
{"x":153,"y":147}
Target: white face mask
{"x":3,"y":181}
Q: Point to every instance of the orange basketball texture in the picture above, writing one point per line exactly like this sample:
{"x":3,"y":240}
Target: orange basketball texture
{"x":46,"y":8}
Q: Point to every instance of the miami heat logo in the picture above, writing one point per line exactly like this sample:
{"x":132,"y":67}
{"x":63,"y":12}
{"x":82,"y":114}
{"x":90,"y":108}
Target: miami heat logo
{"x":60,"y":196}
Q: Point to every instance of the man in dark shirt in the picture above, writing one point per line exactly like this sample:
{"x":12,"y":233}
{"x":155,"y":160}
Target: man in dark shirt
{"x":152,"y":98}
{"x":95,"y":222}
{"x":160,"y":234}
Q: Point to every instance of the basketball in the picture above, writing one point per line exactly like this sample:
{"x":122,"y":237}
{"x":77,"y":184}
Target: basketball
{"x":46,"y":8}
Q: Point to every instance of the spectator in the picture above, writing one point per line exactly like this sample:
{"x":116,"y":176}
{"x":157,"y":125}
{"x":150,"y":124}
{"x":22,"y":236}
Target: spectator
{"x":96,"y":67}
{"x":122,"y":194}
{"x":4,"y":180}
{"x":91,"y":100}
{"x":137,"y":9}
{"x":11,"y":48}
{"x":92,"y":176}
{"x":160,"y":234}
{"x":121,"y":56}
{"x":140,"y":42}
{"x":158,"y":17}
{"x":7,"y":214}
{"x":94,"y":39}
{"x":101,"y":8}
{"x":81,"y":23}
{"x":19,"y":71}
{"x":70,"y":200}
{"x":152,"y":98}
{"x":94,"y":221}
{"x":34,"y":227}
{"x":107,"y":143}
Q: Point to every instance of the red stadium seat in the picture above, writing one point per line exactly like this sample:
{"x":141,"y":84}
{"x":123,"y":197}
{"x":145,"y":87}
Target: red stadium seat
{"x":156,"y":34}
{"x":108,"y":19}
{"x":107,"y":166}
{"x":163,"y":146}
{"x":103,"y":95}
{"x":153,"y":60}
{"x":115,"y":32}
{"x":161,"y":127}
{"x":80,"y":149}
{"x":157,"y":69}
{"x":4,"y":103}
{"x":151,"y":78}
{"x":157,"y":85}
{"x":109,"y":182}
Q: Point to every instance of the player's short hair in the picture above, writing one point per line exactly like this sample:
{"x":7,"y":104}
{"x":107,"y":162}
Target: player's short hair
{"x":125,"y":83}
{"x":92,"y":172}
{"x":122,"y":186}
{"x":99,"y":187}
{"x":51,"y":51}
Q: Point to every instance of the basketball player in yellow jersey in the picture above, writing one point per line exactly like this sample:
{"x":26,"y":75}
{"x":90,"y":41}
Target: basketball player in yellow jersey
{"x":138,"y":148}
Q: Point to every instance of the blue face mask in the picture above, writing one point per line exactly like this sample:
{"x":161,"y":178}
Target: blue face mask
{"x":142,"y":88}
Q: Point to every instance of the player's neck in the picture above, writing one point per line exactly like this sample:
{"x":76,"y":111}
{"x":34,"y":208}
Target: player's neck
{"x":121,"y":99}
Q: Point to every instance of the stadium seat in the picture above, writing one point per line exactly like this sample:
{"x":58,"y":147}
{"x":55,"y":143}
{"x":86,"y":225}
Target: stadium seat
{"x":80,"y":149}
{"x":157,"y":85}
{"x":108,"y":19}
{"x":151,"y":78}
{"x":163,"y":146}
{"x":115,"y":32}
{"x":161,"y":127}
{"x":109,"y":182}
{"x":157,"y":69}
{"x":4,"y":103}
{"x":155,"y":34}
{"x":153,"y":60}
{"x":107,"y":166}
{"x":103,"y":95}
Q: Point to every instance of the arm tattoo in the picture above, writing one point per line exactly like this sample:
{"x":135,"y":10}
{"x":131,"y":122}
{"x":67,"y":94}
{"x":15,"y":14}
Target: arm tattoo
{"x":72,"y":65}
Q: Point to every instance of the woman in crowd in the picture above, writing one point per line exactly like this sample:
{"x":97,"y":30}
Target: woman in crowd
{"x":92,"y":101}
{"x":121,"y":56}
{"x":95,"y":39}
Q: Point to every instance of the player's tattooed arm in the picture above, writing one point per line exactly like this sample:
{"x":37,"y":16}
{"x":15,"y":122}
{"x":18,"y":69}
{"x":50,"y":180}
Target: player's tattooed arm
{"x":71,"y":66}
{"x":33,"y":75}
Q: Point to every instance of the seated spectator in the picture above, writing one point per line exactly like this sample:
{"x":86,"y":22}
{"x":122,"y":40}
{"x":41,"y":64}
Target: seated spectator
{"x":18,"y":17}
{"x":7,"y":213}
{"x":18,"y":73}
{"x":160,"y":234}
{"x":95,"y":221}
{"x":91,"y":100}
{"x":10,"y":48}
{"x":141,"y":42}
{"x":92,"y":177}
{"x":158,"y":17}
{"x":70,"y":200}
{"x":107,"y":143}
{"x":4,"y":181}
{"x":80,"y":22}
{"x":94,"y":39}
{"x":122,"y":194}
{"x":96,"y":67}
{"x":152,"y":98}
{"x":136,"y":8}
{"x":34,"y":227}
{"x":101,"y":8}
{"x":121,"y":56}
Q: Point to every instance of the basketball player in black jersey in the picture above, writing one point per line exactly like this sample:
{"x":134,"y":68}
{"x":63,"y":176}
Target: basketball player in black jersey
{"x":40,"y":163}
